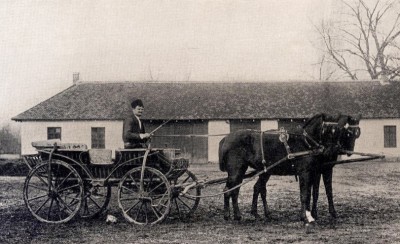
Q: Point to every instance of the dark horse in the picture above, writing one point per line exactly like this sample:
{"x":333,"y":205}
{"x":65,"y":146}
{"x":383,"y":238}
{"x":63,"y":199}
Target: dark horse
{"x":346,"y":131}
{"x":348,"y":136}
{"x":248,"y":148}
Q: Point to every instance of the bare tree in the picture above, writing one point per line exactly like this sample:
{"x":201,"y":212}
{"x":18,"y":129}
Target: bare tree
{"x":363,"y":42}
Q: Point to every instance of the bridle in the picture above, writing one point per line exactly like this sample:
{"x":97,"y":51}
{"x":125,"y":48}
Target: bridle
{"x":319,"y":143}
{"x":352,"y":130}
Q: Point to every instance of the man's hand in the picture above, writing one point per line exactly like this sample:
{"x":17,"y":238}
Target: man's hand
{"x":145,"y":135}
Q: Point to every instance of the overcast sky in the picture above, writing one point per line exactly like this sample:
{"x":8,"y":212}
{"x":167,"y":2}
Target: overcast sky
{"x":43,"y":42}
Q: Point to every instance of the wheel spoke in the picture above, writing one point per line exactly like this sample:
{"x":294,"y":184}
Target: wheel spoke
{"x":59,"y":209}
{"x":162,"y":183}
{"x":129,"y":199}
{"x":37,"y":210}
{"x":150,"y":181}
{"x":38,"y":187}
{"x":95,"y":203}
{"x":42,"y":180}
{"x":85,"y":205}
{"x":145,"y":213}
{"x":69,"y":187}
{"x":37,"y":197}
{"x":65,"y":205}
{"x":138,"y":212}
{"x":49,"y":211}
{"x":155,"y":211}
{"x":127,"y":211}
{"x":133,"y":180}
{"x":62,"y":182}
{"x":124,"y":187}
{"x":184,"y":203}
{"x":177,"y":207}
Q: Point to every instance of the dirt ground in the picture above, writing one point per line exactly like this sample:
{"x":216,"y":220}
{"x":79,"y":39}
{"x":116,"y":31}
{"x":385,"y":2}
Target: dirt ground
{"x":366,"y":194}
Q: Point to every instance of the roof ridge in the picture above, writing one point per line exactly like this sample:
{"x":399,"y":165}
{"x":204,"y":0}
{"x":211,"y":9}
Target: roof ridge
{"x":229,"y":82}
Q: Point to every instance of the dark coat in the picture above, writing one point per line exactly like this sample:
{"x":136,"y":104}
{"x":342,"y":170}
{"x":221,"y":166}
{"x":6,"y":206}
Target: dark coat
{"x":131,"y":131}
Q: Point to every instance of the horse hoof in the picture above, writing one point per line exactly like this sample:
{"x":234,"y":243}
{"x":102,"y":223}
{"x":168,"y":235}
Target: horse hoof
{"x":314,"y":215}
{"x":238,"y":218}
{"x":309,"y":227}
{"x":226,"y":218}
{"x":255,"y":214}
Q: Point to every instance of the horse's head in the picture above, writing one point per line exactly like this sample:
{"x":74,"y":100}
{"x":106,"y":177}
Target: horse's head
{"x":350,"y":132}
{"x":324,"y":129}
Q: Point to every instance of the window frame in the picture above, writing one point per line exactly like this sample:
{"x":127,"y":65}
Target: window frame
{"x":98,"y":137}
{"x":389,"y":136}
{"x":54,"y":133}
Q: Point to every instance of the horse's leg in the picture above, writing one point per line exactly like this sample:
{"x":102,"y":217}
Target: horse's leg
{"x":263,"y":192}
{"x":256,"y":192}
{"x":305,"y":196}
{"x":315,"y":193}
{"x":227,"y":196}
{"x":236,"y":173}
{"x":327,"y":177}
{"x":236,"y":179}
{"x":235,"y":204}
{"x":234,"y":194}
{"x":260,"y":188}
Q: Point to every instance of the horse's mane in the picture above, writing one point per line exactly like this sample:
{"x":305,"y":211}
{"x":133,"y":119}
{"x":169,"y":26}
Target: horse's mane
{"x":312,"y":119}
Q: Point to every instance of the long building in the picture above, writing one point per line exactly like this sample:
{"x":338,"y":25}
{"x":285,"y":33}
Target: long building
{"x":93,"y":112}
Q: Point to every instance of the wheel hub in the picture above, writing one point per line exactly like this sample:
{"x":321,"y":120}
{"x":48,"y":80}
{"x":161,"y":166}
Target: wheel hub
{"x":53,"y":194}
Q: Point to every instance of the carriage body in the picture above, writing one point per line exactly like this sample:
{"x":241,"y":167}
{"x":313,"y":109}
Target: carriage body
{"x":68,"y":178}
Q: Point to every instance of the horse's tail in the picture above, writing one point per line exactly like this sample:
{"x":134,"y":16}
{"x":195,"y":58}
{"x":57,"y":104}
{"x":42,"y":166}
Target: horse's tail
{"x":221,"y":155}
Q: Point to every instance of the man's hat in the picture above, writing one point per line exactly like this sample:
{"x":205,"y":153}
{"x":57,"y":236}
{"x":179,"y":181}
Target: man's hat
{"x":136,"y":102}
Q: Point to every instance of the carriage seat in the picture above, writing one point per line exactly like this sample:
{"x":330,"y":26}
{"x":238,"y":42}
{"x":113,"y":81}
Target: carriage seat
{"x":100,"y":156}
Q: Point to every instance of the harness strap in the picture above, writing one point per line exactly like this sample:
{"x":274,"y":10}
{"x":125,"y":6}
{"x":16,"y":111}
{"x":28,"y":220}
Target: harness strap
{"x":311,"y":139}
{"x":283,"y":137}
{"x":264,"y":162}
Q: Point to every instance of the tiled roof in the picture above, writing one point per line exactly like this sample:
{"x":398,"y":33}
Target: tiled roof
{"x":264,"y":100}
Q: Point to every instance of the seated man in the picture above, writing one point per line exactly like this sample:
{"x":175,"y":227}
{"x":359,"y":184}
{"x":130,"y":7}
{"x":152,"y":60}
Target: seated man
{"x":134,"y":134}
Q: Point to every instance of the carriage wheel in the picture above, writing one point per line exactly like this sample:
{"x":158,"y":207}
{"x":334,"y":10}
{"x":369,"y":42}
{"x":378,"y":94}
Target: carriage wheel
{"x":147,"y":206}
{"x":185,"y":205}
{"x":95,"y":200}
{"x":53,"y":194}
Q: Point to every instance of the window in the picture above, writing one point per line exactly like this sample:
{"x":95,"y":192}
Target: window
{"x":53,"y":133}
{"x":390,"y":136}
{"x":98,"y":138}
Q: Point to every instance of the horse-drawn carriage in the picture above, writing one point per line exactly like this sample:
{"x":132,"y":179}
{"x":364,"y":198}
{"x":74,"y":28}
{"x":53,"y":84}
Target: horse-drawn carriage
{"x":67,"y":179}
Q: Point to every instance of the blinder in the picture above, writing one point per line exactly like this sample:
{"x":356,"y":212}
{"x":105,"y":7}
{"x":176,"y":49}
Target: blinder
{"x":329,"y":128}
{"x":353,"y":131}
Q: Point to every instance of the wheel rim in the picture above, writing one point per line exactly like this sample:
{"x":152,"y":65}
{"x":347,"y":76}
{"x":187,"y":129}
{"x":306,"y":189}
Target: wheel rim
{"x":53,"y":195}
{"x":149,"y":206}
{"x":95,"y":200}
{"x":183,"y":206}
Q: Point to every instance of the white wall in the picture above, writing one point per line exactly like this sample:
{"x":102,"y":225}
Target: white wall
{"x":216,"y":127}
{"x":269,"y":125}
{"x":372,"y":137}
{"x":71,"y":132}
